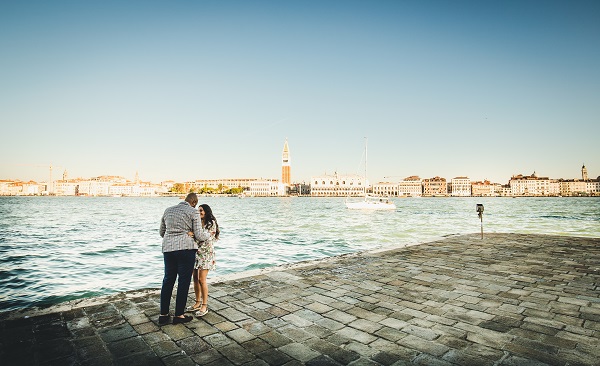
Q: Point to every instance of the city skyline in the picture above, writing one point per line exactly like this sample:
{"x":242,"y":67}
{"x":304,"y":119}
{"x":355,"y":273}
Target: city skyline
{"x":183,"y":90}
{"x":58,"y":176}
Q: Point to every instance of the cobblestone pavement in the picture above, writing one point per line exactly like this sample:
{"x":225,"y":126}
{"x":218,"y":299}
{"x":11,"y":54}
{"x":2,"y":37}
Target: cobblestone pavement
{"x":507,"y":299}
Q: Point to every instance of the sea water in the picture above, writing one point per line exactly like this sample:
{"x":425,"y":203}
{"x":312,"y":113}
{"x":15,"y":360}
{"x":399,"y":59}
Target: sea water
{"x":54,"y":249}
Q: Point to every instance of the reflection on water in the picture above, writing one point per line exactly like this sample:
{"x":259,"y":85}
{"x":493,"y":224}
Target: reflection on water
{"x":54,"y":249}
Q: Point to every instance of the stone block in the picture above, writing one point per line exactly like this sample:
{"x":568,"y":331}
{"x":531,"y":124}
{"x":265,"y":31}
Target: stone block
{"x":193,"y":345}
{"x":274,"y":357}
{"x":256,"y":345}
{"x":339,"y":316}
{"x":54,"y":349}
{"x":127,"y":347}
{"x":177,"y":331}
{"x":275,"y":339}
{"x":217,"y":340}
{"x":356,"y":335}
{"x":237,"y":354}
{"x":240,"y":335}
{"x":299,"y":351}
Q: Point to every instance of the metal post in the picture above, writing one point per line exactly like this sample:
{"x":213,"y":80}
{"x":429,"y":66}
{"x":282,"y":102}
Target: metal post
{"x":479,"y":209}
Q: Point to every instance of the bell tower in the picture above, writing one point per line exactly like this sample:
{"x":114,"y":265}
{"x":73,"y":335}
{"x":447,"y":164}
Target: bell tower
{"x":285,"y":165}
{"x":584,"y":174}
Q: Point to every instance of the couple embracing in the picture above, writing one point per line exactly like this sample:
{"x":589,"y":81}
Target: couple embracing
{"x":188,"y":251}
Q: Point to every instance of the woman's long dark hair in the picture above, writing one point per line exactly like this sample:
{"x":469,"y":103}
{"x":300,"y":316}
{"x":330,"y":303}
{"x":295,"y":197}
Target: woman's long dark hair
{"x":209,"y":218}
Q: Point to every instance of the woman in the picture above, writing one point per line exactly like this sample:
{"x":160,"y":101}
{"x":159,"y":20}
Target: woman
{"x":205,"y":260}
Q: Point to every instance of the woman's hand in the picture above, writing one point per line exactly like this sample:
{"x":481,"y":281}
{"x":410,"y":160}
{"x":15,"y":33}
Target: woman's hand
{"x":191,"y":234}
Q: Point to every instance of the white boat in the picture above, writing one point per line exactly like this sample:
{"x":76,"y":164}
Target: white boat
{"x":369,"y":201}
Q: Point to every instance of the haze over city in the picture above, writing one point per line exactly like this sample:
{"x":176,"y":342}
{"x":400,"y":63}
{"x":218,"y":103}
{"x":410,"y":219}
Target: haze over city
{"x":187,"y":90}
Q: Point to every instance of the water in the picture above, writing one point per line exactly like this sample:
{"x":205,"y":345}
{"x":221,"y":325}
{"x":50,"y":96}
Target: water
{"x":54,"y":249}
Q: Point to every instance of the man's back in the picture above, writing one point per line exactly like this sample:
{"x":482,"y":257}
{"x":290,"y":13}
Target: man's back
{"x":176,"y":222}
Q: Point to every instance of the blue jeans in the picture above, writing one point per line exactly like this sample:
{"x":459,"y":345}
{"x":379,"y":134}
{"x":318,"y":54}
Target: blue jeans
{"x":178,"y":263}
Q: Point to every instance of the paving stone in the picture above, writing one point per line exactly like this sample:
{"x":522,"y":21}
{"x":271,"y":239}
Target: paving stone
{"x":294,"y":333}
{"x":147,"y":358}
{"x":155,"y":337}
{"x":333,"y":351}
{"x":178,"y":360}
{"x":299,"y":352}
{"x":127,"y":347}
{"x":193,"y":345}
{"x":177,"y":331}
{"x":236,"y":354}
{"x":422,"y":345}
{"x":144,"y":328}
{"x":275,"y":339}
{"x":232,"y":315}
{"x":274,"y":357}
{"x":240,"y":335}
{"x":217,"y":340}
{"x":365,"y":325}
{"x":256,"y":345}
{"x":339,"y":316}
{"x":356,"y":335}
{"x":54,"y":349}
{"x":206,"y":357}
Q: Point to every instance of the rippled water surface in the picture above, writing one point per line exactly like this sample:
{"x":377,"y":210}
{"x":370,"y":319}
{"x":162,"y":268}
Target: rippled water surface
{"x":54,"y":249}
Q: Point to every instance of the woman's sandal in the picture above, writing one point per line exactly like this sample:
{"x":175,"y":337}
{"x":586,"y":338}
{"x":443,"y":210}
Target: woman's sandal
{"x":200,"y":312}
{"x":193,"y":308}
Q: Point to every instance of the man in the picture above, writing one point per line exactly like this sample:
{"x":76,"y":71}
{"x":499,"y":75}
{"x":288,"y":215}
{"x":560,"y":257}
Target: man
{"x":179,"y":252}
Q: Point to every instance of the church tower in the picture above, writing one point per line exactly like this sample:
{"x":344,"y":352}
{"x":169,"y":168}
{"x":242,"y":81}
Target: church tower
{"x":285,"y":165}
{"x":584,"y":174}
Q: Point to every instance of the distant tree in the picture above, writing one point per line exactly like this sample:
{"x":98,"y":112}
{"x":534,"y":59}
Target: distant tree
{"x":237,"y":190}
{"x":178,"y":188}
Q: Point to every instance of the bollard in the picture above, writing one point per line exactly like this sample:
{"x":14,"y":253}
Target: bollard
{"x":479,"y":209}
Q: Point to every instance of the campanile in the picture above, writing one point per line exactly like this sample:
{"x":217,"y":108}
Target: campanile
{"x":285,"y":165}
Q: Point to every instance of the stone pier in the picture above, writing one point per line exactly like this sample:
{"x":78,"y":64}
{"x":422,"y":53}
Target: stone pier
{"x":506,"y":299}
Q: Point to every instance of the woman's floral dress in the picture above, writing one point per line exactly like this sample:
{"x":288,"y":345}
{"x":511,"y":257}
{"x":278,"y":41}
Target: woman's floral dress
{"x":205,"y":257}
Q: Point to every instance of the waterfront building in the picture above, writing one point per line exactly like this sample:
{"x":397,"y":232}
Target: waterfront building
{"x":66,"y":187}
{"x":223,"y":184}
{"x":584,"y":173}
{"x":486,"y":189}
{"x":386,"y":189}
{"x":266,"y":188}
{"x":572,"y":187}
{"x":5,"y":186}
{"x":593,"y":187}
{"x":435,"y":187}
{"x":410,"y":187}
{"x":286,"y":165}
{"x":99,"y":186}
{"x":19,"y":188}
{"x":337,"y":185}
{"x":460,"y":187}
{"x":533,"y":185}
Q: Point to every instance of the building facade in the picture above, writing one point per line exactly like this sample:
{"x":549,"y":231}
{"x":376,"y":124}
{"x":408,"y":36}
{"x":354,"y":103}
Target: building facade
{"x":485,"y":189}
{"x":533,"y":185}
{"x":435,"y":187}
{"x":266,"y":188}
{"x":386,"y":189}
{"x":460,"y":187}
{"x":410,"y":187}
{"x":338,"y":185}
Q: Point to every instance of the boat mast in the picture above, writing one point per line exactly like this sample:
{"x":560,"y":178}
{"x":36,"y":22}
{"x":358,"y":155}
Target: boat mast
{"x":365,"y":183}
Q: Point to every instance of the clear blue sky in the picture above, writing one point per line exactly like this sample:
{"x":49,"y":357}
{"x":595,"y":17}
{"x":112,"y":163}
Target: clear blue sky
{"x":190,"y":90}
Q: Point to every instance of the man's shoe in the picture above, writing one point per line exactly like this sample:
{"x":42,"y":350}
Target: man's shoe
{"x":185,"y":319}
{"x":163,"y":319}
